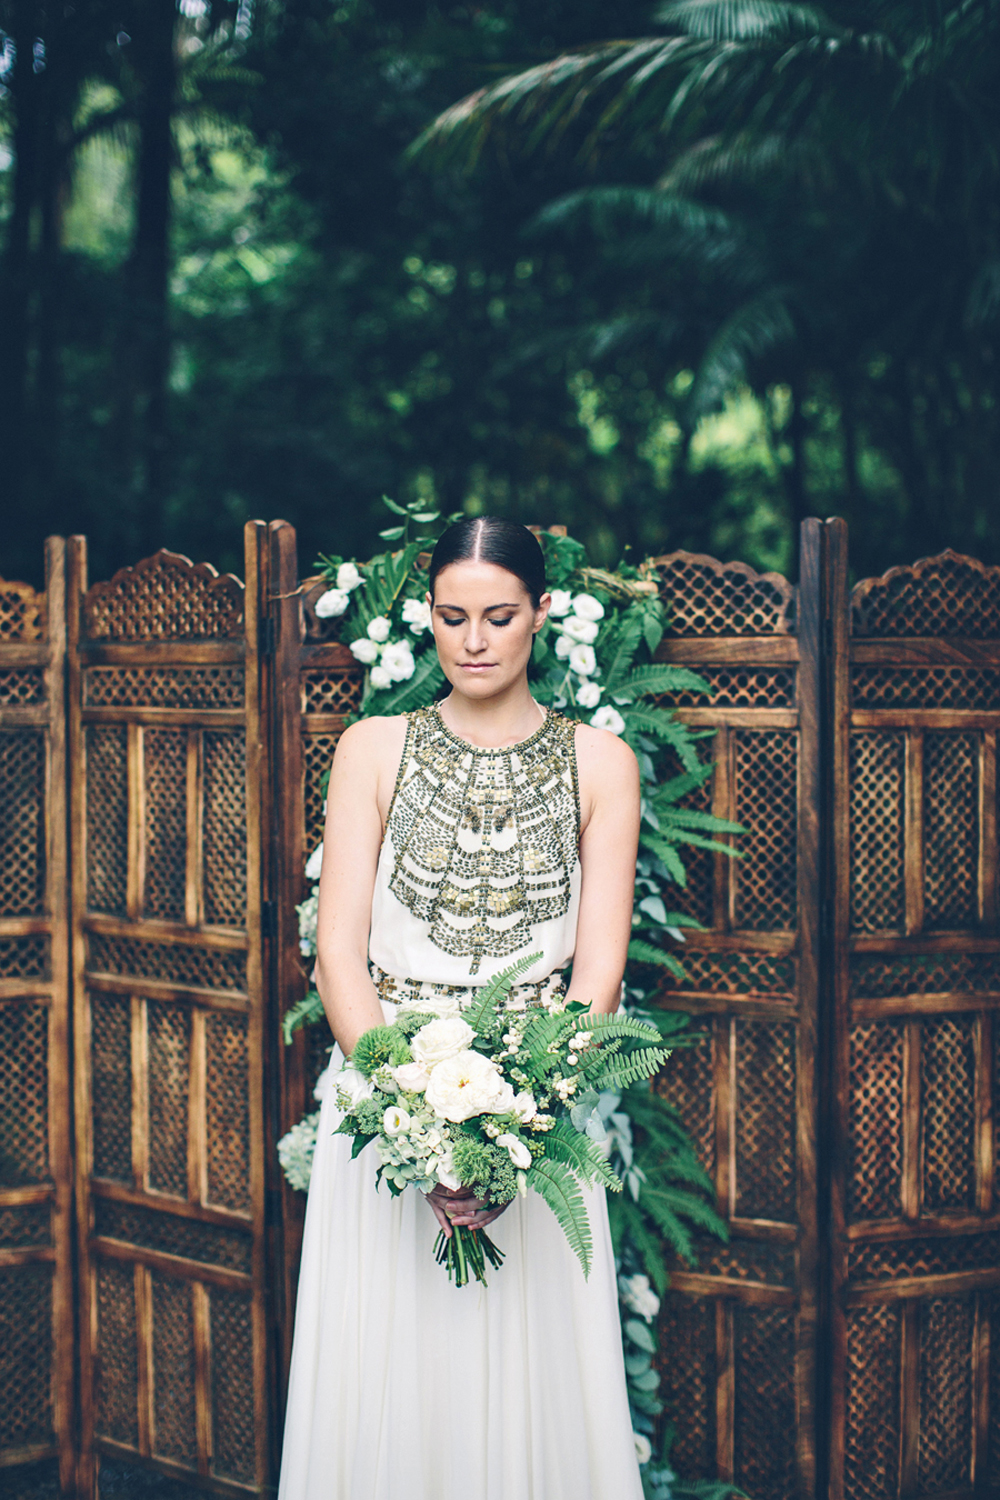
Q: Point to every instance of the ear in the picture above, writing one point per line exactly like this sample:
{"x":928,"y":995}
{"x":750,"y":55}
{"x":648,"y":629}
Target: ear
{"x":542,"y":612}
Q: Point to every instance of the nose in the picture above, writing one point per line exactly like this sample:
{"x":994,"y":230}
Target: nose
{"x":475,"y":639}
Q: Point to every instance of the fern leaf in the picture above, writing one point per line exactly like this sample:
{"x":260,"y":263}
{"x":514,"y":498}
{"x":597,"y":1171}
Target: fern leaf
{"x":646,"y":953}
{"x":414,"y":693}
{"x":561,"y":1191}
{"x":582,"y":1155}
{"x":624,"y":1071}
{"x":303,"y":1013}
{"x":487,"y":998}
{"x":661,"y":677}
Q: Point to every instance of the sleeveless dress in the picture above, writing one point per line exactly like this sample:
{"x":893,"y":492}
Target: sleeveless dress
{"x":403,"y":1386}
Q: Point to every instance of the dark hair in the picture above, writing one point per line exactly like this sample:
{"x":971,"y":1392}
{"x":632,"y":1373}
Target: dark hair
{"x":490,"y":539}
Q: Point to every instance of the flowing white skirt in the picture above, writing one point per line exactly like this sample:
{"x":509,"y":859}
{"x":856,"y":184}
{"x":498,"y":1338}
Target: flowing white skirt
{"x":406,"y":1387}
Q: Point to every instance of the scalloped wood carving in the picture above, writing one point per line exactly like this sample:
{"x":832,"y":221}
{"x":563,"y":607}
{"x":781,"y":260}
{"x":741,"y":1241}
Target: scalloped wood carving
{"x":705,"y":597}
{"x":22,"y":612}
{"x":164,"y":597}
{"x":947,"y":595}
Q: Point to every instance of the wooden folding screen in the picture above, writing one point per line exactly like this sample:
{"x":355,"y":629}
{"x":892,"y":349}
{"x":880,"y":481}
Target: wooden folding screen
{"x":915,"y":968}
{"x":36,"y":1308}
{"x":738,"y":1334}
{"x":168,"y":777}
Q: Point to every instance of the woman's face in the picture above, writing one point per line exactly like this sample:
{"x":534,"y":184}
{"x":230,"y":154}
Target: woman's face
{"x":483,"y":622}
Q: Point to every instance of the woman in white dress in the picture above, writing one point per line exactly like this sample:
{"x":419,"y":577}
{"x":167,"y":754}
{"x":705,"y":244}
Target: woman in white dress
{"x":459,"y":838}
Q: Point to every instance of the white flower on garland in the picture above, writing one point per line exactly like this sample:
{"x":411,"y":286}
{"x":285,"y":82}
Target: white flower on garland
{"x":608,"y":718}
{"x":563,"y":646}
{"x":381,"y":677}
{"x":332,"y":603}
{"x":580,"y":630}
{"x":586,"y":607}
{"x":307,"y":913}
{"x":296,"y":1151}
{"x":588,"y":695}
{"x":348,"y":577}
{"x":397,"y":659}
{"x":379,"y":630}
{"x":364,"y":651}
{"x":643,"y":1447}
{"x":638,"y":1296}
{"x":583,"y":661}
{"x":417,"y":614}
{"x":314,"y":864}
{"x":562,"y":603}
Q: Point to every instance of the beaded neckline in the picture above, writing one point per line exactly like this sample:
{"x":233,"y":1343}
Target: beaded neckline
{"x":484,"y":749}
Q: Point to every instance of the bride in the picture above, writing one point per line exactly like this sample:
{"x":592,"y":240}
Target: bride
{"x":459,"y":838}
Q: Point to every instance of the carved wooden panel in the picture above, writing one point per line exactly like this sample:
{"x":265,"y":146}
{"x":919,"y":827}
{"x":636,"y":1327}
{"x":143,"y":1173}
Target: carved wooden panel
{"x":36,"y":1313}
{"x":915,"y":986}
{"x":739,"y":1332}
{"x":168,"y":843}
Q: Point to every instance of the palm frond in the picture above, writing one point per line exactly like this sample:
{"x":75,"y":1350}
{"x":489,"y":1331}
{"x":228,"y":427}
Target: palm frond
{"x":743,"y":20}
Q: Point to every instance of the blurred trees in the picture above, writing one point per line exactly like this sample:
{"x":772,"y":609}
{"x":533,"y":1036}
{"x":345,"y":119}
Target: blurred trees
{"x":694,"y":288}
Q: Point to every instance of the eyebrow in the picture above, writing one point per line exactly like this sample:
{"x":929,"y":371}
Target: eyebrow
{"x":458,"y":610}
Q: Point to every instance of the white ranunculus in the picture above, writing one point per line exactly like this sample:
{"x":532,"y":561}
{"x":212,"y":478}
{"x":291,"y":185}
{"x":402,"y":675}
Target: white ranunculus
{"x":439,"y":1040}
{"x":364,"y":650}
{"x":525,"y":1107}
{"x":397,"y":659}
{"x":516,"y":1150}
{"x":395,"y":1121}
{"x":562,"y":602}
{"x":563,"y":645}
{"x":381,"y":677}
{"x":417,"y":614}
{"x":468,"y":1085}
{"x":608,"y":718}
{"x":584,"y":631}
{"x":583,"y":661}
{"x":348,"y":577}
{"x":380,"y":629}
{"x":638,"y":1295}
{"x":586,"y":607}
{"x":314,"y":864}
{"x":352,"y":1086}
{"x":588,"y":695}
{"x":332,"y":603}
{"x":445,"y":1171}
{"x":411,"y":1077}
{"x":643,"y":1447}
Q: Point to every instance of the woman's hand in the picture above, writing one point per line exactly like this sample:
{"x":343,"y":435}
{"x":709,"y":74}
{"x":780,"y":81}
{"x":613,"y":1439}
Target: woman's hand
{"x":459,"y":1206}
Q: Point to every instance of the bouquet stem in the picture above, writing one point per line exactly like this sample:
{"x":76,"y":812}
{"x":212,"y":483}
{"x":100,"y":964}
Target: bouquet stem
{"x":467,"y":1250}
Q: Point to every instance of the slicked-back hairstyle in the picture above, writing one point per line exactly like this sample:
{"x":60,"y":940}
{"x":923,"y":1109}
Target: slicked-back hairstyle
{"x":490,"y":539}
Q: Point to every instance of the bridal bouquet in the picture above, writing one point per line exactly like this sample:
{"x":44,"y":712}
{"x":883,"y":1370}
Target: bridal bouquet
{"x":495,"y":1098}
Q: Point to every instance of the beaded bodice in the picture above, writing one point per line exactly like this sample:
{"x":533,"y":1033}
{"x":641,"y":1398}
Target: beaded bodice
{"x":480,"y":861}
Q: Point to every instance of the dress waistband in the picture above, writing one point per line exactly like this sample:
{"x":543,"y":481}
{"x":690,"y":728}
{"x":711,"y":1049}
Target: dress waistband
{"x":547,"y":993}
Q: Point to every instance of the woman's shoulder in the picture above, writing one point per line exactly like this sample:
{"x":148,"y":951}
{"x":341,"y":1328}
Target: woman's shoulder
{"x":603,"y":750}
{"x":372,"y":738}
{"x":607,"y":770}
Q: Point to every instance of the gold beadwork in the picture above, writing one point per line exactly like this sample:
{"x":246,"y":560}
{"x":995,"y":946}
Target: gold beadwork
{"x":485,"y":841}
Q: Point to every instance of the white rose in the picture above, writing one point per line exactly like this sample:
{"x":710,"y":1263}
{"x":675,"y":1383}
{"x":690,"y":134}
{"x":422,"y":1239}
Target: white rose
{"x":439,"y":1040}
{"x":638,"y":1295}
{"x":417,"y":614}
{"x":525,"y":1107}
{"x":585,"y":606}
{"x":562,"y":602}
{"x":583,"y":661}
{"x":584,"y":631}
{"x":563,"y":645}
{"x":314,"y":864}
{"x":411,"y":1077}
{"x":348,"y":577}
{"x":588,"y":695}
{"x":516,"y":1150}
{"x":397,"y":659}
{"x":364,"y":650}
{"x":608,"y":718}
{"x":395,"y":1121}
{"x":445,"y":1171}
{"x":381,"y":677}
{"x":435,"y":1005}
{"x":643,"y":1447}
{"x":468,"y":1085}
{"x":352,"y":1086}
{"x":379,"y":629}
{"x":332,"y":603}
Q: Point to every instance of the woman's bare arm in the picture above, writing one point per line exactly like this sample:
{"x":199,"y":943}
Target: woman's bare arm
{"x":609,"y":815}
{"x":361,"y":782}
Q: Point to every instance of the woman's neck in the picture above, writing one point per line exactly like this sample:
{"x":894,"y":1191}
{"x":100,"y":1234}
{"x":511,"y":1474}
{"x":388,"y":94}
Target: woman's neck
{"x":493,"y":723}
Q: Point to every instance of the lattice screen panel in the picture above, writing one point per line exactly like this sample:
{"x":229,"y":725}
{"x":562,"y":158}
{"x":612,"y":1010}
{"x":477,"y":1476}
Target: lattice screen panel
{"x":170,"y":847}
{"x":871,"y":1437}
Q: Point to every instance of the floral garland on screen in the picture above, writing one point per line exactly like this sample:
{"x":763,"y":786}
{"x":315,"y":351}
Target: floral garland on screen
{"x":594,"y":659}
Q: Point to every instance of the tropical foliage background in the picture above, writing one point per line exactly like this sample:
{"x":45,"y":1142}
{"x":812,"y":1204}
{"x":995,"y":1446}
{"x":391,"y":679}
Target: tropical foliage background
{"x":675,"y":286}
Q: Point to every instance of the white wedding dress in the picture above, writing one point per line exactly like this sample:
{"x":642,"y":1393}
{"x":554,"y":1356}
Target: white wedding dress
{"x":404,"y":1386}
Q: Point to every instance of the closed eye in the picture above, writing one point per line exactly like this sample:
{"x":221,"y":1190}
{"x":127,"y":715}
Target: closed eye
{"x":460,"y":620}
